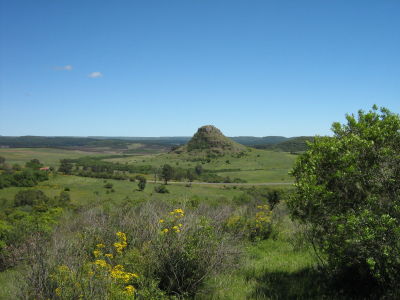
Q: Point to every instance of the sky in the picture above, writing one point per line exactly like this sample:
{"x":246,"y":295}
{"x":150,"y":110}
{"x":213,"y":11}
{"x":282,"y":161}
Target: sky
{"x":167,"y":67}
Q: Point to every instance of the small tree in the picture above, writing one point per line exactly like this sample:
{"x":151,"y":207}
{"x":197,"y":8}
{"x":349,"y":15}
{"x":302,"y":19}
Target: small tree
{"x":141,"y":182}
{"x":64,"y":198}
{"x":167,"y":172}
{"x":190,"y":175}
{"x":34,"y":164}
{"x":30,"y":197}
{"x":65,"y":166}
{"x":198,"y":169}
{"x":348,"y":193}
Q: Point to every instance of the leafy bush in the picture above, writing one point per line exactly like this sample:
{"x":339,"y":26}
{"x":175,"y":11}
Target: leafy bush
{"x":348,"y":193}
{"x":30,"y":197}
{"x":170,"y":252}
{"x":254,"y":225}
{"x":101,"y":277}
{"x":142,"y":182}
{"x":162,"y":189}
{"x":108,"y":185}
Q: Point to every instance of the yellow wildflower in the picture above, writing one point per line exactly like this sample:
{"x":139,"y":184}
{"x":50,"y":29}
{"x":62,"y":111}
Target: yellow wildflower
{"x":101,"y":263}
{"x":97,"y":253}
{"x":129,"y":289}
{"x":165,"y":230}
{"x":109,"y":255}
{"x":161,"y":221}
{"x":121,"y":235}
{"x":58,"y":291}
{"x":177,"y":213}
{"x":120,"y":246}
{"x":100,"y":245}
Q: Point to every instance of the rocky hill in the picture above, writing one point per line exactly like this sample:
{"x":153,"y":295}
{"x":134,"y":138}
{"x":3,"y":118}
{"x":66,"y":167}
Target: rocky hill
{"x":210,"y":140}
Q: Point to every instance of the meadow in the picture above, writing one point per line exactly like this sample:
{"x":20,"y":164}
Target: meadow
{"x":257,"y":166}
{"x":49,"y":156}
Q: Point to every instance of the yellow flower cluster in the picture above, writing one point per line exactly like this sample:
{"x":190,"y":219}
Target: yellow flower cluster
{"x":263,"y":216}
{"x":121,"y":245}
{"x":118,"y":273}
{"x":177,"y":228}
{"x":170,"y":225}
{"x":129,"y":290}
{"x":102,"y":263}
{"x":177,"y":213}
{"x":100,"y":267}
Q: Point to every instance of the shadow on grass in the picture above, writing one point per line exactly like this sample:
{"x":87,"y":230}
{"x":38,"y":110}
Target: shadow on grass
{"x":310,"y":284}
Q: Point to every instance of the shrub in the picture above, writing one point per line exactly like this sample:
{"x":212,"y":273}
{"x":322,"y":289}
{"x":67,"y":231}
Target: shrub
{"x":254,"y":225}
{"x":30,"y":197}
{"x":142,"y":182}
{"x":186,"y":252}
{"x":108,"y":185}
{"x":348,"y":193}
{"x":162,"y":189}
{"x":170,"y":251}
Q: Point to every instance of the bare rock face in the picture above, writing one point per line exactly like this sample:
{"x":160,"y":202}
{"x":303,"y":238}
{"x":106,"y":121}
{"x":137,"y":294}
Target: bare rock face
{"x":210,"y":139}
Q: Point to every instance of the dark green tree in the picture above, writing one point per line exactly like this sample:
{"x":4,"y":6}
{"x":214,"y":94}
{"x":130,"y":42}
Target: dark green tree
{"x":34,"y":164}
{"x":30,"y":197}
{"x":167,"y":173}
{"x":273,"y":198}
{"x":16,"y":167}
{"x":348,"y":193}
{"x":198,"y":169}
{"x":65,"y":166}
{"x":64,"y":198}
{"x":141,"y":182}
{"x":190,"y":175}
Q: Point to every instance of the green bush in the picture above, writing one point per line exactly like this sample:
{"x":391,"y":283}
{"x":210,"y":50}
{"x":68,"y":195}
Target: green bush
{"x":162,"y":189}
{"x":30,"y":197}
{"x":108,"y":185}
{"x":171,"y":251}
{"x":348,"y":194}
{"x":255,"y":224}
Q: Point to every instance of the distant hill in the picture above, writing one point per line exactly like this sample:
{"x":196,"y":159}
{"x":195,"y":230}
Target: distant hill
{"x":294,"y":144}
{"x":281,"y":143}
{"x":252,"y":140}
{"x":210,"y":140}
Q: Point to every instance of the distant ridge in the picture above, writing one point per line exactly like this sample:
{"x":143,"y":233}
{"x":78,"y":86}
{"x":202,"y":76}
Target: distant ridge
{"x":209,"y":140}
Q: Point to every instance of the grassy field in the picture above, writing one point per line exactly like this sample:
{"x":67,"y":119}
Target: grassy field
{"x":255,"y":167}
{"x":48,"y":156}
{"x":272,"y":269}
{"x":85,"y":190}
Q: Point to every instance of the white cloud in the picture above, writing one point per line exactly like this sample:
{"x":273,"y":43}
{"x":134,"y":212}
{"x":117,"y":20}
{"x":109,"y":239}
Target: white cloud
{"x":64,"y":68}
{"x":95,"y":75}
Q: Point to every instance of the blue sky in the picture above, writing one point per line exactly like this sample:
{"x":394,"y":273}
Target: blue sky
{"x":167,"y":67}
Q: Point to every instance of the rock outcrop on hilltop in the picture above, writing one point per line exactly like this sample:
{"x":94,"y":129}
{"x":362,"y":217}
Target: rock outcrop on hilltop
{"x":210,"y":140}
